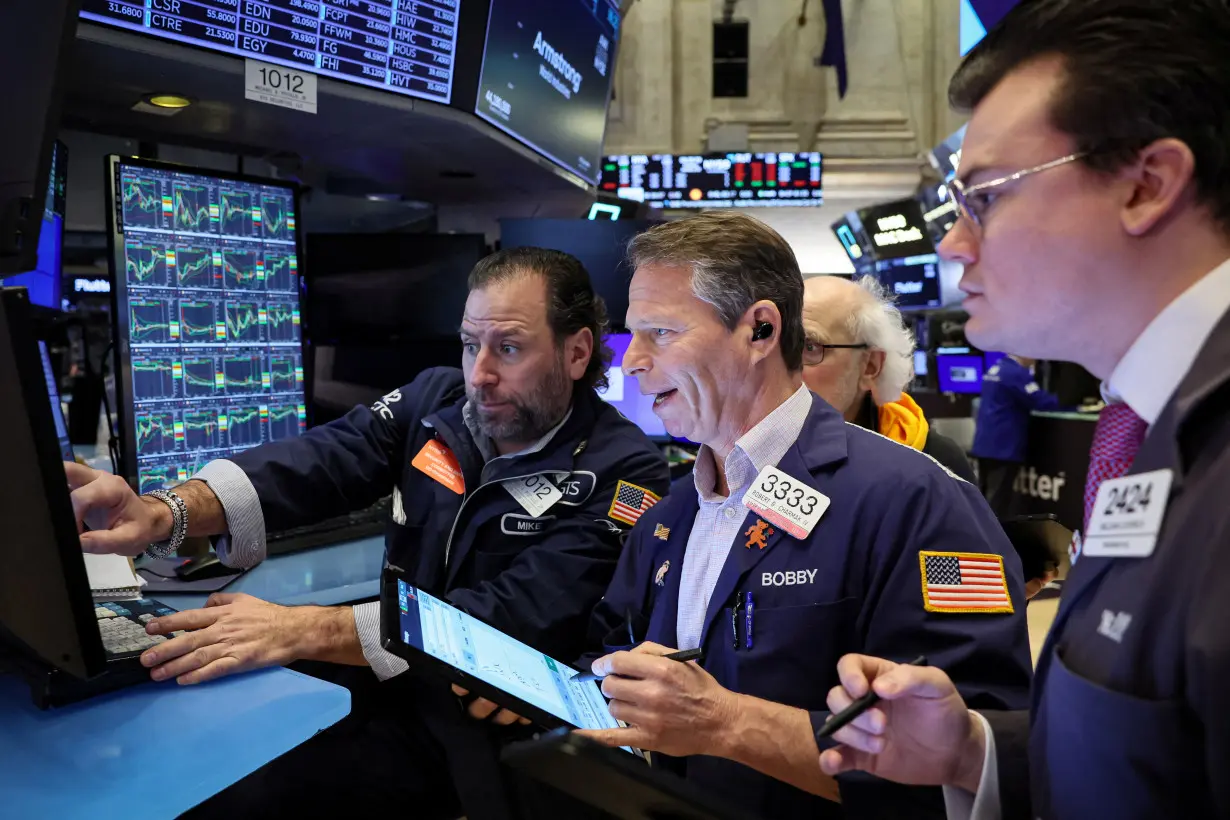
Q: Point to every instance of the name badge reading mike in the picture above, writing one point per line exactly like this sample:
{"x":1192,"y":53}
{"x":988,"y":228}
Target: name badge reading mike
{"x":786,"y":502}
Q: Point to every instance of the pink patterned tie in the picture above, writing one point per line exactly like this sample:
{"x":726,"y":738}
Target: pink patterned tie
{"x":1118,"y":437}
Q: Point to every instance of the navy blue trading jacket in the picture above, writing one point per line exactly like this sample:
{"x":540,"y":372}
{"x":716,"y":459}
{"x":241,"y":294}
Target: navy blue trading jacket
{"x":1009,"y":395}
{"x":854,"y":585}
{"x":1130,"y":715}
{"x":534,"y":578}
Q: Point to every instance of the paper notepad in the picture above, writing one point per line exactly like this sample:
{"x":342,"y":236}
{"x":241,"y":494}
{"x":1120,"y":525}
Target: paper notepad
{"x":112,"y":577}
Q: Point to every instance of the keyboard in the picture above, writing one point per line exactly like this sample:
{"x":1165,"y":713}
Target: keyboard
{"x":361,"y":524}
{"x":122,"y":625}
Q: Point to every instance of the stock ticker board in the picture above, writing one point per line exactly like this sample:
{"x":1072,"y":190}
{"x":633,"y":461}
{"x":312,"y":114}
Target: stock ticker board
{"x":211,"y":296}
{"x":404,"y":46}
{"x":735,"y":179}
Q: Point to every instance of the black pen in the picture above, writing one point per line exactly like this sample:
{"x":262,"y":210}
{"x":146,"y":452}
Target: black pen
{"x":683,"y":656}
{"x":631,"y":634}
{"x":851,"y":712}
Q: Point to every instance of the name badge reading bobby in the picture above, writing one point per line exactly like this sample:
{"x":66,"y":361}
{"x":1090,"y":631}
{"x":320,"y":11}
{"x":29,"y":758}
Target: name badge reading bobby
{"x":785,"y":502}
{"x":535,"y":493}
{"x":1127,"y":516}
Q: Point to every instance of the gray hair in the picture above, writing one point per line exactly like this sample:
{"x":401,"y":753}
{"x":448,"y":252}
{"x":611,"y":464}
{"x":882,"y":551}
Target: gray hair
{"x":878,"y":323}
{"x":736,"y":261}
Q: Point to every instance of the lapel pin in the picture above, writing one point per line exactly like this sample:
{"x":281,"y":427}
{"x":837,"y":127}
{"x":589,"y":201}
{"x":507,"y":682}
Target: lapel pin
{"x":757,"y":533}
{"x":661,"y":533}
{"x":660,"y":578}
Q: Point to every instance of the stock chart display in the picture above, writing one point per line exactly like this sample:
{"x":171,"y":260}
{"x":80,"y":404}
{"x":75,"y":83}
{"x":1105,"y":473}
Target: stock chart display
{"x":735,"y":179}
{"x":406,"y":46}
{"x":208,"y":309}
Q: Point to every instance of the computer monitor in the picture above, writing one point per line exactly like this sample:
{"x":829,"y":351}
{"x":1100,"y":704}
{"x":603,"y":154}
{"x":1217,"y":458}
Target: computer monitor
{"x":959,"y":370}
{"x":897,"y":230}
{"x":46,"y":611}
{"x":380,"y":288}
{"x":946,"y":156}
{"x":43,"y":282}
{"x":207,"y":326}
{"x":913,"y":281}
{"x":849,"y":232}
{"x":601,"y":246}
{"x":57,"y":409}
{"x":547,"y":71}
{"x":939,"y":210}
{"x":624,"y":394}
{"x":38,"y":48}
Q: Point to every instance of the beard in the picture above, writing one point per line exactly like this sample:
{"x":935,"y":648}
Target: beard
{"x":527,"y":418}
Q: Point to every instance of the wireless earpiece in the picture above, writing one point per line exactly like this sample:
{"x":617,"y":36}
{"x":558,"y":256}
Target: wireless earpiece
{"x":764,"y":330}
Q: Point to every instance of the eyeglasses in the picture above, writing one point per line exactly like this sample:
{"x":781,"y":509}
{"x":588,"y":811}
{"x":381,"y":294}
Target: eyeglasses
{"x":973,"y":201}
{"x":813,"y":352}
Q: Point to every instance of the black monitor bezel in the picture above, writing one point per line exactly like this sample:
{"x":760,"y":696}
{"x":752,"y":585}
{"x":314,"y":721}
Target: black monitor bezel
{"x":127,"y":448}
{"x":430,"y":666}
{"x":17,"y":326}
{"x":524,"y":141}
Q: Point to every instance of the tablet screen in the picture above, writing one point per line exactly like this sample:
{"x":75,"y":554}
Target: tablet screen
{"x":462,"y":641}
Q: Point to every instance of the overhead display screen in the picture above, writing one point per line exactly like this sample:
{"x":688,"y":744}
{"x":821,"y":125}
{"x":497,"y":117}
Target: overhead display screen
{"x":897,"y":230}
{"x":546,"y":77}
{"x":914,"y":281}
{"x":404,"y":46}
{"x":740,"y":180}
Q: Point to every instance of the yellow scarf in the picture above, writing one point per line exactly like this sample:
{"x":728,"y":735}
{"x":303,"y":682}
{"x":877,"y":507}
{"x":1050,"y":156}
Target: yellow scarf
{"x":903,"y":421}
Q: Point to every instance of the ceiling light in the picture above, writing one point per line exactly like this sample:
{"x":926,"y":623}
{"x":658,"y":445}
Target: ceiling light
{"x":168,"y":100}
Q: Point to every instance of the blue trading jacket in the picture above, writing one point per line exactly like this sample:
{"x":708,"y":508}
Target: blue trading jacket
{"x":1009,"y":395}
{"x":854,"y":585}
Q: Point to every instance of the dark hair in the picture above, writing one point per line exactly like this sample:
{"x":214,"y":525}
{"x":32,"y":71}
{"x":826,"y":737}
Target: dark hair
{"x":572,"y":303}
{"x":736,"y":261}
{"x":1136,"y":71}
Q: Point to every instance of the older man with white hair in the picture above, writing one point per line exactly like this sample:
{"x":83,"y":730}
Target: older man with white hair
{"x":859,"y":357}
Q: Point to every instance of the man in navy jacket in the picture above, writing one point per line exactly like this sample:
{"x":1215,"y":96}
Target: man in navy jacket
{"x":1095,"y":228}
{"x":1009,"y":394}
{"x":856,"y":542}
{"x":449,"y":447}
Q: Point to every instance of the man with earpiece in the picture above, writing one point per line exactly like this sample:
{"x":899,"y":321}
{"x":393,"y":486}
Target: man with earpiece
{"x":799,"y":538}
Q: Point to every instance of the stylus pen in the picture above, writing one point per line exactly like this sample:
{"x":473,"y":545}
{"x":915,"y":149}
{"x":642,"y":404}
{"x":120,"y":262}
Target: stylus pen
{"x":683,"y":656}
{"x":851,"y":712}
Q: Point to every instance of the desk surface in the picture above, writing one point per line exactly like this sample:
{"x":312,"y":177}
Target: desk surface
{"x":330,"y":575}
{"x":155,"y":750}
{"x":336,"y":574}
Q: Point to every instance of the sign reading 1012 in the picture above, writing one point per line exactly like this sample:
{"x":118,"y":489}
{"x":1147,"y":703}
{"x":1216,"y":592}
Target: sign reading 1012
{"x":275,"y":85}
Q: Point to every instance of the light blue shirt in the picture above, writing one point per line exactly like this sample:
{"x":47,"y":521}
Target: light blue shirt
{"x":717,"y":524}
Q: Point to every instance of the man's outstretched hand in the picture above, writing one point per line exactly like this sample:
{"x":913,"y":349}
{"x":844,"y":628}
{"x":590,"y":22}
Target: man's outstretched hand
{"x":119,"y":520}
{"x":920,"y":733}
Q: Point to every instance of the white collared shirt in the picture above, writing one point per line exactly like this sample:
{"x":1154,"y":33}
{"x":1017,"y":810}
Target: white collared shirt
{"x":719,"y":518}
{"x":1146,"y":378}
{"x":1150,"y":372}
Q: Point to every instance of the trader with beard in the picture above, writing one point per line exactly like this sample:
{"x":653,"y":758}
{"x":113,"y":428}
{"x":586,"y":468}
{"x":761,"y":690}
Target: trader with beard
{"x":523,"y":403}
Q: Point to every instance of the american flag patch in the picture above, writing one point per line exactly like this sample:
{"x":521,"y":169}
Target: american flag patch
{"x":964,"y":582}
{"x":631,"y":502}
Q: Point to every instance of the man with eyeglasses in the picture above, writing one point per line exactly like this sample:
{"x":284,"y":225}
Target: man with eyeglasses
{"x":858,"y":355}
{"x":1095,"y":228}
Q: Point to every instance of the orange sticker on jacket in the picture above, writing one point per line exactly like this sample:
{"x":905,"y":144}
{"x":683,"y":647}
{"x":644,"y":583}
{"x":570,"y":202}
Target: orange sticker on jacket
{"x":438,"y":461}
